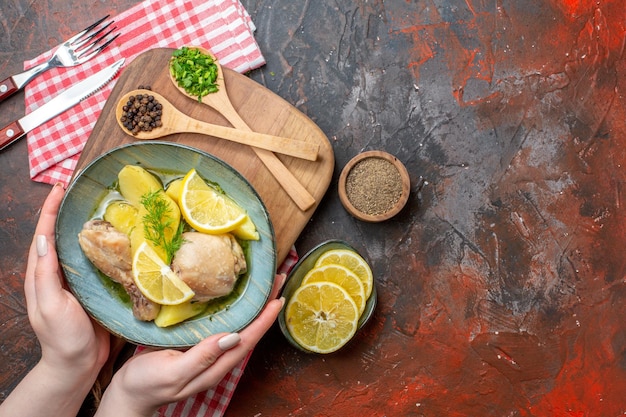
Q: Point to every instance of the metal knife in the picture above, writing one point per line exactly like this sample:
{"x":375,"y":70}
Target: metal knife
{"x":62,"y":102}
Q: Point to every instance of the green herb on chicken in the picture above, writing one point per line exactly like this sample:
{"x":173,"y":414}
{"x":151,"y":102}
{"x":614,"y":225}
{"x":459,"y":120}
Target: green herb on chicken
{"x":157,"y":220}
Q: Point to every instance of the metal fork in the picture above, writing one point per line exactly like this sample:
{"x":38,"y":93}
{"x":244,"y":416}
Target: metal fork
{"x":72,"y":52}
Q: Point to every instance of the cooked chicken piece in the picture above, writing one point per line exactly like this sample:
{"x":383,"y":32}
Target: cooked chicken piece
{"x":109,"y":250}
{"x":209,"y":264}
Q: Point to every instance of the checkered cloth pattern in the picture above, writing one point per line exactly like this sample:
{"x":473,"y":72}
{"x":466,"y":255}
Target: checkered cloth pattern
{"x":222,"y":26}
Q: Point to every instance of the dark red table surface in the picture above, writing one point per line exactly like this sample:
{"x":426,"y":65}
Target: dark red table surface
{"x":501,"y":285}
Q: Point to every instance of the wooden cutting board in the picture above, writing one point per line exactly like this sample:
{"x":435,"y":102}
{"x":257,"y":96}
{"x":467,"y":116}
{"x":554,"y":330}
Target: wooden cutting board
{"x":260,"y":108}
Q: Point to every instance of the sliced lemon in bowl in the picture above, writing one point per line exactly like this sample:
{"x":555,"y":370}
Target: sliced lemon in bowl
{"x":206,"y":209}
{"x":156,"y":281}
{"x":321,"y":317}
{"x":351,"y":260}
{"x":341,"y":276}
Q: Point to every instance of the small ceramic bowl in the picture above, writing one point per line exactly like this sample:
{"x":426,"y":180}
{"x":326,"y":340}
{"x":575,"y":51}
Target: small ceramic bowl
{"x":365,"y":195}
{"x":294,"y":280}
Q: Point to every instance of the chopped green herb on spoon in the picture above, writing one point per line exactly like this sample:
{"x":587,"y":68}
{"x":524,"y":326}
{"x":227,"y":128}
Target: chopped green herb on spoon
{"x":194,"y":71}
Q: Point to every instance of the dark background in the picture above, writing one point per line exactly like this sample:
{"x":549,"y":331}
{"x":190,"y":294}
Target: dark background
{"x":501,"y":284}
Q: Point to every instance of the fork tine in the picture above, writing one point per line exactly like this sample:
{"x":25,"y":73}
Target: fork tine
{"x":89,"y":36}
{"x":85,"y":53}
{"x":82,"y":57}
{"x":86,"y":30}
{"x":98,"y":40}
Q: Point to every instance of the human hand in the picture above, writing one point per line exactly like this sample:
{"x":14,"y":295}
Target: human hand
{"x":72,"y":345}
{"x":152,"y":378}
{"x":73,"y":348}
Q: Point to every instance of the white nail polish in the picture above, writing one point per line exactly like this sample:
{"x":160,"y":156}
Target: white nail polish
{"x":229,"y":341}
{"x":42,"y":245}
{"x":283,"y":278}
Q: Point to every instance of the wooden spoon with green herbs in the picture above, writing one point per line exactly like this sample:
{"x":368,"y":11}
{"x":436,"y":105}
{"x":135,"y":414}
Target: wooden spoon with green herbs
{"x":217,"y":98}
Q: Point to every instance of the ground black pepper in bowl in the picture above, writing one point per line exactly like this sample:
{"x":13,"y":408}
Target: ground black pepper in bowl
{"x":142,"y":112}
{"x":374,"y":186}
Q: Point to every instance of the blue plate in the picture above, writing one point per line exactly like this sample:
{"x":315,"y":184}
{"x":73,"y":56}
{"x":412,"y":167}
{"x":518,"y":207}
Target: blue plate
{"x":105,"y":301}
{"x":294,"y":280}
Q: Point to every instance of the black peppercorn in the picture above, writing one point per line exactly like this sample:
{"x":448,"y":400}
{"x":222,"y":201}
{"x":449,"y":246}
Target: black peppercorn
{"x":142,"y":112}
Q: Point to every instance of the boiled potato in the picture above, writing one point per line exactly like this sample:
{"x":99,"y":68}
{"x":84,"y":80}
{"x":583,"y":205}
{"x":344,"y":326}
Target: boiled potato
{"x":135,"y":182}
{"x":122,"y":215}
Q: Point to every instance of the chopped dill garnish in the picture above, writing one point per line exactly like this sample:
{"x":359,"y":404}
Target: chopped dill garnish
{"x":157,"y":221}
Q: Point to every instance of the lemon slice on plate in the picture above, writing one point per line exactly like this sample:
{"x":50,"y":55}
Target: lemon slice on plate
{"x":341,"y":276}
{"x":247,"y":230}
{"x":206,"y":209}
{"x":156,"y":281}
{"x":351,"y":260}
{"x":174,"y":189}
{"x":321,"y":317}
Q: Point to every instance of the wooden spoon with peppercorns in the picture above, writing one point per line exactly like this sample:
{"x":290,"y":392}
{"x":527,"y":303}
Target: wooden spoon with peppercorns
{"x":139,"y":105}
{"x":220,"y":102}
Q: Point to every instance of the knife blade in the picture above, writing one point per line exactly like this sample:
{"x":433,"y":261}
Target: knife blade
{"x":62,"y":102}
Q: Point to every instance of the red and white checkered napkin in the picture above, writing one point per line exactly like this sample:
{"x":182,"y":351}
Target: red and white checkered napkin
{"x":213,"y":403}
{"x":222,"y":26}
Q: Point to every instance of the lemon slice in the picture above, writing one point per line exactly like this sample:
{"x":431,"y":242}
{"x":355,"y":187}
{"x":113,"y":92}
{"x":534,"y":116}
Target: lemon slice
{"x":354,"y":262}
{"x":206,"y":209}
{"x":156,"y":281}
{"x":174,"y":189}
{"x":247,"y":230}
{"x":321,"y":317}
{"x":341,"y":276}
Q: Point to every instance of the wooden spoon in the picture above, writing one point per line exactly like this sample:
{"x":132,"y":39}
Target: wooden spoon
{"x":174,"y":121}
{"x":220,"y":102}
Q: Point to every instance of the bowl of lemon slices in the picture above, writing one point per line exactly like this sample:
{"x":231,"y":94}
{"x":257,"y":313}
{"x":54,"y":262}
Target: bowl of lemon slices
{"x":191,"y":193}
{"x":329,"y":295}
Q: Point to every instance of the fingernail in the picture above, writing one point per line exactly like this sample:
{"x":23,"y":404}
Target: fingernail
{"x":282,"y":301}
{"x":283,"y":278}
{"x":60,"y":184}
{"x":42,"y":245}
{"x":229,"y":341}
